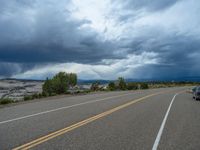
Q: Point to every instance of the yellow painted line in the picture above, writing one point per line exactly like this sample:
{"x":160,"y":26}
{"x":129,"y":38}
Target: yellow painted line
{"x":79,"y":124}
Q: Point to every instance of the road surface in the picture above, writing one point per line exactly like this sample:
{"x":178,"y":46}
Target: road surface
{"x":167,"y":119}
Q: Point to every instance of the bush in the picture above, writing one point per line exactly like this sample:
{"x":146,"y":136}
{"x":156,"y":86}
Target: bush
{"x":5,"y":101}
{"x":87,"y":91}
{"x":34,"y":96}
{"x":28,"y":97}
{"x":78,"y":92}
{"x":94,"y":86}
{"x":44,"y":94}
{"x":40,"y":95}
{"x":132,"y":86}
{"x":59,"y":84}
{"x":72,"y":79}
{"x":67,"y":92}
{"x":121,"y":83}
{"x":47,"y":87}
{"x":111,"y":86}
{"x":144,"y":86}
{"x":53,"y":94}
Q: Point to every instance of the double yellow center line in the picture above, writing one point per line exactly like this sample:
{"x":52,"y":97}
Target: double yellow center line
{"x":79,"y":124}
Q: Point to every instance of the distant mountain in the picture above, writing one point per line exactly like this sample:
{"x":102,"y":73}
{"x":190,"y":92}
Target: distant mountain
{"x":81,"y":81}
{"x":177,"y":79}
{"x":22,"y":80}
{"x":169,"y":79}
{"x":85,"y":81}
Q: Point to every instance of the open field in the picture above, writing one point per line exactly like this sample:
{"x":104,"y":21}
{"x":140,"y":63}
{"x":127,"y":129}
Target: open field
{"x":16,"y":89}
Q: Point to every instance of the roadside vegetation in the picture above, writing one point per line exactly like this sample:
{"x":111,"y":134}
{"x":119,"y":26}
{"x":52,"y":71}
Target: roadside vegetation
{"x":4,"y":101}
{"x":121,"y":84}
{"x":59,"y":84}
{"x":66,"y":83}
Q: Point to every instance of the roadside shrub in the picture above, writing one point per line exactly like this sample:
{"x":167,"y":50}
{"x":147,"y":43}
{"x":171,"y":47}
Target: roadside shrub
{"x":144,"y":86}
{"x":132,"y":86}
{"x":121,"y":83}
{"x":60,"y":83}
{"x":111,"y":86}
{"x":34,"y":96}
{"x":67,"y":92}
{"x":40,"y":95}
{"x":86,"y":91}
{"x":5,"y":101}
{"x":28,"y":97}
{"x":78,"y":92}
{"x":52,"y":94}
{"x":44,"y":94}
{"x":72,"y":77}
{"x":94,"y":86}
{"x":47,"y":87}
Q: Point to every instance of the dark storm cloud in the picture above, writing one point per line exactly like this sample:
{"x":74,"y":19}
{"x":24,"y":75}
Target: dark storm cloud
{"x":134,"y":9}
{"x":46,"y":32}
{"x":35,"y":32}
{"x":162,"y":72}
{"x":178,"y":54}
{"x":8,"y":69}
{"x":86,"y":52}
{"x":149,"y":5}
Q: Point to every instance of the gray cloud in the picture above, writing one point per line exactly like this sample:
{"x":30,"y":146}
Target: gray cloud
{"x":35,"y":33}
{"x":134,"y":9}
{"x":148,"y":5}
{"x":46,"y":32}
{"x":178,"y":54}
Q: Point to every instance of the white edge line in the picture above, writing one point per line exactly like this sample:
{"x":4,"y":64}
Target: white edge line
{"x":61,"y":108}
{"x":156,"y":143}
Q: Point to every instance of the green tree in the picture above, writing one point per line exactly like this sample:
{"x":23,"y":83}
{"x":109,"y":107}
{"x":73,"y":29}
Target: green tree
{"x":111,"y":86}
{"x":60,"y":83}
{"x":144,"y":86}
{"x":132,"y":86}
{"x":72,"y":79}
{"x":94,"y":86}
{"x":121,"y":83}
{"x":47,"y":87}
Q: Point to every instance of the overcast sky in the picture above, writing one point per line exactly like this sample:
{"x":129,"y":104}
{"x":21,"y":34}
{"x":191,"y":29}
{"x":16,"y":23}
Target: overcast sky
{"x":100,"y":39}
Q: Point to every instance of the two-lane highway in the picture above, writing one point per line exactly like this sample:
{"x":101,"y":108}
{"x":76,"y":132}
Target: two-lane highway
{"x":148,"y":119}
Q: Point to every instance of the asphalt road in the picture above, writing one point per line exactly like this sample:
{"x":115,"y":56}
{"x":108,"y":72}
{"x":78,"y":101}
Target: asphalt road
{"x":148,"y":119}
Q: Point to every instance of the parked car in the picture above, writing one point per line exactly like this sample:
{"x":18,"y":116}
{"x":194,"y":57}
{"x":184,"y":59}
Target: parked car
{"x":194,"y":89}
{"x":196,"y":93}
